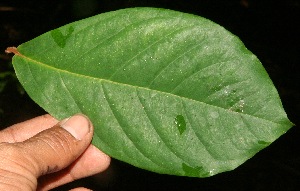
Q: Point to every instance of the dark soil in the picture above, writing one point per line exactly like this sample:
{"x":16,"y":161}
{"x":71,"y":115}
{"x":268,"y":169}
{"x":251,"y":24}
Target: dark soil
{"x":270,"y":29}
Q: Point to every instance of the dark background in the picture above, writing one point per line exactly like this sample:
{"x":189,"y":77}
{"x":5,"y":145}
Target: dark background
{"x":270,"y":29}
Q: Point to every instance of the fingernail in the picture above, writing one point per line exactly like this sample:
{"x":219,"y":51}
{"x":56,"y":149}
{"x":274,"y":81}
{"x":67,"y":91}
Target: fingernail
{"x":77,"y":125}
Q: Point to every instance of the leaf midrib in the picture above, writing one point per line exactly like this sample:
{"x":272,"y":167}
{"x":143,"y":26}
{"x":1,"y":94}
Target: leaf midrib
{"x":141,"y":87}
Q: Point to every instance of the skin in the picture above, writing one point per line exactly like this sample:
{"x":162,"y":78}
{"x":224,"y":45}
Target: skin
{"x":43,"y":153}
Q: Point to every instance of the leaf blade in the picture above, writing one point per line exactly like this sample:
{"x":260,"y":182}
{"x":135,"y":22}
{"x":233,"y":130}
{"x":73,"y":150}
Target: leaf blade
{"x":134,"y":97}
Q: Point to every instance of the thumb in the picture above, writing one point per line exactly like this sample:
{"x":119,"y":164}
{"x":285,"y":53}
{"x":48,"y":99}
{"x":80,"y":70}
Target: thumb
{"x":55,"y":148}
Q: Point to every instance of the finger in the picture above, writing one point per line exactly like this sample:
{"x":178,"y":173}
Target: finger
{"x":91,"y":162}
{"x":22,"y":131}
{"x":55,"y":148}
{"x":80,"y":189}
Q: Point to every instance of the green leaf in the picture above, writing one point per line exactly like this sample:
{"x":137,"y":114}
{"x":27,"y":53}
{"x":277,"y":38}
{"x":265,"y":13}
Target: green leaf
{"x":166,"y":91}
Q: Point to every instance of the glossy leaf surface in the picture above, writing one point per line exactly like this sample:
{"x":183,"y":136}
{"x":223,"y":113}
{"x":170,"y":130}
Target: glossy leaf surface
{"x":166,"y":91}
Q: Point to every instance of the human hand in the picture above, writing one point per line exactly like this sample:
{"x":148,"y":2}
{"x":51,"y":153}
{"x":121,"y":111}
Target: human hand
{"x":41,"y":154}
